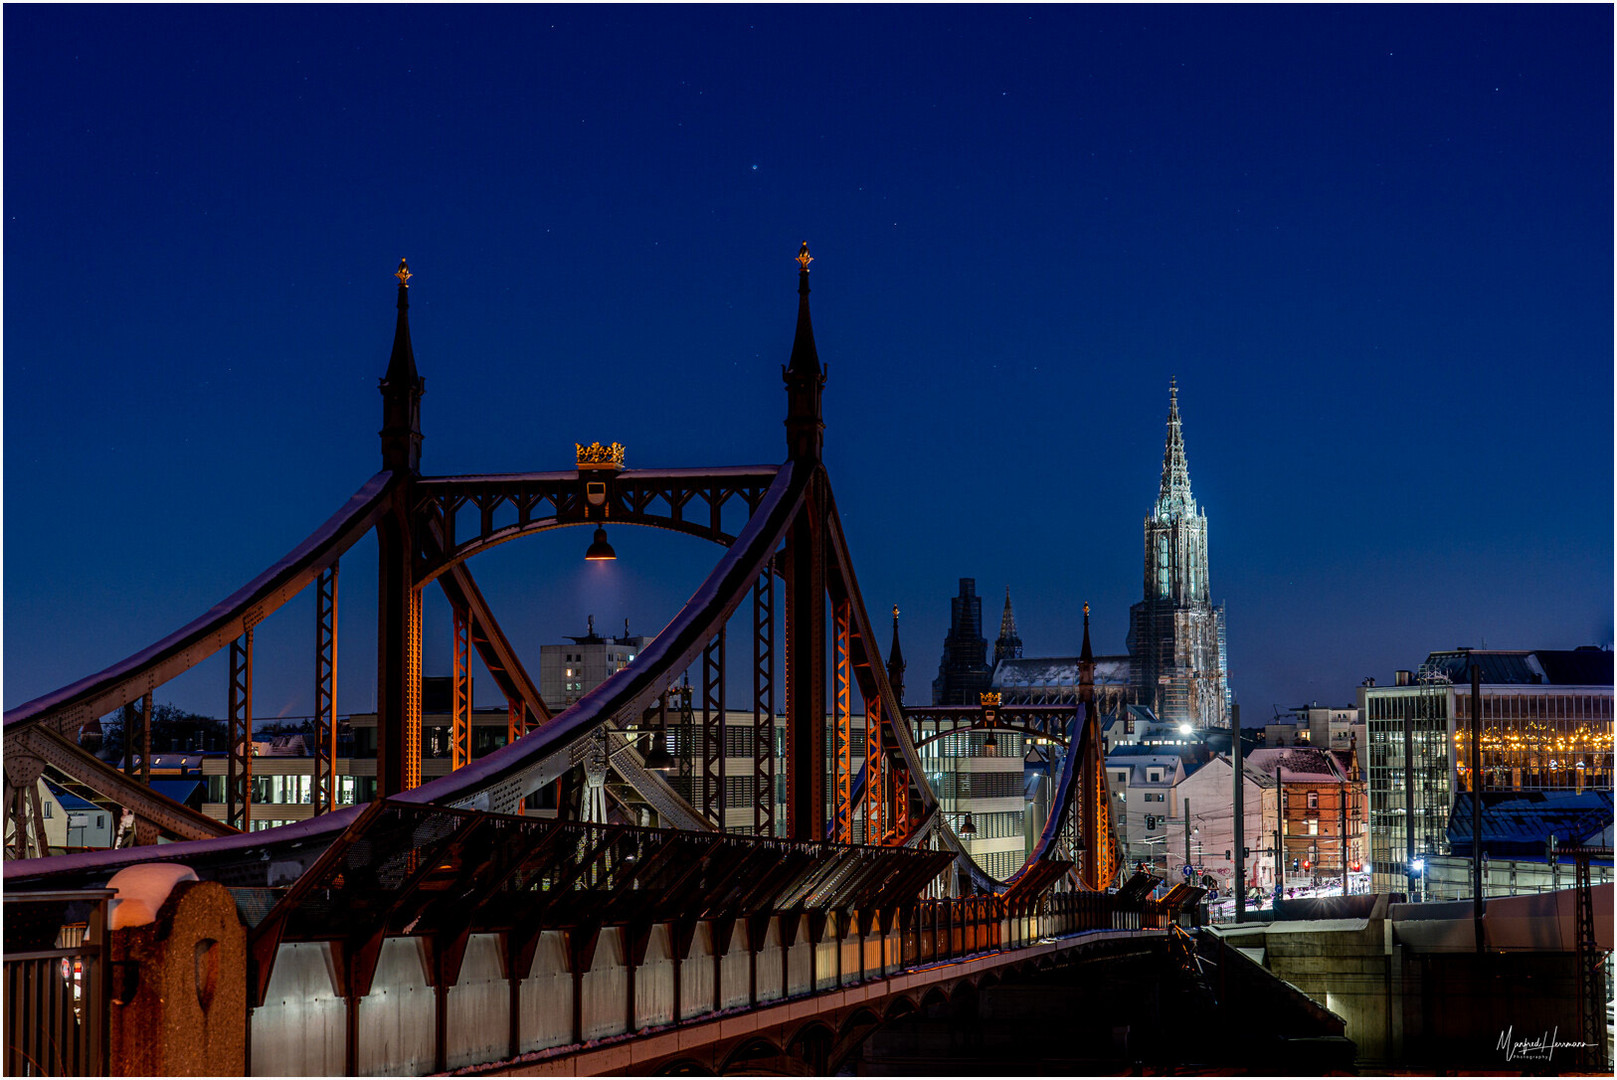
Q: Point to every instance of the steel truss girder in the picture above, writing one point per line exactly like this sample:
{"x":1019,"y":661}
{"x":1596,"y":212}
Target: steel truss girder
{"x":763,"y":703}
{"x":324,"y":783}
{"x":542,"y":501}
{"x":1035,"y":721}
{"x":70,"y":708}
{"x":714,"y":732}
{"x":48,"y":749}
{"x":239,"y":737}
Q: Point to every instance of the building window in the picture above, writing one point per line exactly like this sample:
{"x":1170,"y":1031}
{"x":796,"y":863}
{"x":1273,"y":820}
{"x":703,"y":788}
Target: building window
{"x":1313,"y":800}
{"x":1313,"y":827}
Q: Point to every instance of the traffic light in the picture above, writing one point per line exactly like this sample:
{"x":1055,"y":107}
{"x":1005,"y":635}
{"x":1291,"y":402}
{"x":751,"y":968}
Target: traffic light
{"x":1246,"y":853}
{"x":1150,"y":822}
{"x":1294,"y":863}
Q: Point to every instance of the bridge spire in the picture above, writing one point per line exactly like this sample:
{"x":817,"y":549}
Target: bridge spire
{"x":402,"y":388}
{"x":804,"y":376}
{"x":1086,"y":666}
{"x":895,"y":663}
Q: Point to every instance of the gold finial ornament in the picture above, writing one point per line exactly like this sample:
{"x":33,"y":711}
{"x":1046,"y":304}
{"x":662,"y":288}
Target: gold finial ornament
{"x":803,"y":257}
{"x":895,"y":611}
{"x":1086,"y":609}
{"x":403,"y":274}
{"x":596,"y":456}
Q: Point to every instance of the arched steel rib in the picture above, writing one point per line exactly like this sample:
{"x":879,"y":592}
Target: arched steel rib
{"x":67,"y":709}
{"x":438,"y":500}
{"x":496,"y":780}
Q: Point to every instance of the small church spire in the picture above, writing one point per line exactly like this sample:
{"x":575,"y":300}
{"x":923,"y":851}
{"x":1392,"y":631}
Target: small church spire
{"x":402,"y":388}
{"x":1008,"y":646}
{"x":895,"y":662}
{"x":1174,"y":497}
{"x":804,"y":376}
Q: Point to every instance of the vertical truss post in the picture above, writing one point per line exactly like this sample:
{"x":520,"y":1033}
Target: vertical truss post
{"x":873,"y":772}
{"x":901,"y":804}
{"x":127,"y":723}
{"x":714,"y":731}
{"x":146,"y":739}
{"x":805,"y":675}
{"x":239,"y":779}
{"x":324,"y":793}
{"x":763,"y":703}
{"x":398,"y":644}
{"x":515,"y":715}
{"x":460,"y":731}
{"x":842,"y":724}
{"x":1098,"y":836}
{"x":1591,"y":987}
{"x":412,"y":692}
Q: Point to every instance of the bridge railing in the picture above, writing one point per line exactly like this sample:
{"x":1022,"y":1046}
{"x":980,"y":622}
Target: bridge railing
{"x":57,"y":985}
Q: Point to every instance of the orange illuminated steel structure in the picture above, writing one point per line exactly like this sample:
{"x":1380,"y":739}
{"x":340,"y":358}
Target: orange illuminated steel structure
{"x":427,"y":529}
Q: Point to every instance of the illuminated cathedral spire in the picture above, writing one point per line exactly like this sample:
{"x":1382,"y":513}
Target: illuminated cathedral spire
{"x":1176,"y":636}
{"x":1174,"y":498}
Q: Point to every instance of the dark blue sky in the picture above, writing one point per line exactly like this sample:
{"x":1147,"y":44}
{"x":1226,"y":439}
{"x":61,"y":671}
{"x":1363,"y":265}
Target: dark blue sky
{"x":1373,"y":244}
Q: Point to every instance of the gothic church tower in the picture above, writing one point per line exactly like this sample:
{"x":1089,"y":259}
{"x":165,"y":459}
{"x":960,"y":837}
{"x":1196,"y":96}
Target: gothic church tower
{"x":1176,"y":634}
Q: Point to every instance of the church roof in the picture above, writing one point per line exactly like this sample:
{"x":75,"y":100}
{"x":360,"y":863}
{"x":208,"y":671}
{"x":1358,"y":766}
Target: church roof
{"x":1058,"y":671}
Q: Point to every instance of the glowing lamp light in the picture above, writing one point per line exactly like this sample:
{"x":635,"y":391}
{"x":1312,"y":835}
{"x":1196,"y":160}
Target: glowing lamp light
{"x":1185,"y":729}
{"x":600,"y":550}
{"x":1419,"y":865}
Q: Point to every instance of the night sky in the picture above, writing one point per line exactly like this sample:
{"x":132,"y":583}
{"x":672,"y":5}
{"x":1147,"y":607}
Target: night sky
{"x":1374,"y":244}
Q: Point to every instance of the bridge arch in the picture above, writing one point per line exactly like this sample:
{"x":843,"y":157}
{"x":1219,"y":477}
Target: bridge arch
{"x":513,"y":506}
{"x":811,"y":1044}
{"x":754,"y":1050}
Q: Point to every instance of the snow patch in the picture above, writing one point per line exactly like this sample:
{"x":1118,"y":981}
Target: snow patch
{"x":142,"y":890}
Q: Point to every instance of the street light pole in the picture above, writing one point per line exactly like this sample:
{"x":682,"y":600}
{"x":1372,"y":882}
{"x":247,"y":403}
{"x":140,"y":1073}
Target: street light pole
{"x":1188,"y":874}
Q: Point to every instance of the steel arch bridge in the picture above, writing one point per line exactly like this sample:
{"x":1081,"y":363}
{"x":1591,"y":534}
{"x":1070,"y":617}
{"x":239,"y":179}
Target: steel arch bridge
{"x":789,"y":557}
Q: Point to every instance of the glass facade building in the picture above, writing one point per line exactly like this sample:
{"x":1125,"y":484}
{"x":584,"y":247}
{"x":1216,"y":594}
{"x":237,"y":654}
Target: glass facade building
{"x":1546,"y":727}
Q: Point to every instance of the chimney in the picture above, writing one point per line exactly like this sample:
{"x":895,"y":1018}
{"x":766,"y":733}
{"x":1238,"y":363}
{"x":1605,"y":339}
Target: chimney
{"x":1403,"y":677}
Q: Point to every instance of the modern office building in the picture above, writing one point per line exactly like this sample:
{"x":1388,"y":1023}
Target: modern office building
{"x":1546,"y":722}
{"x":568,"y":672}
{"x":964,"y":673}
